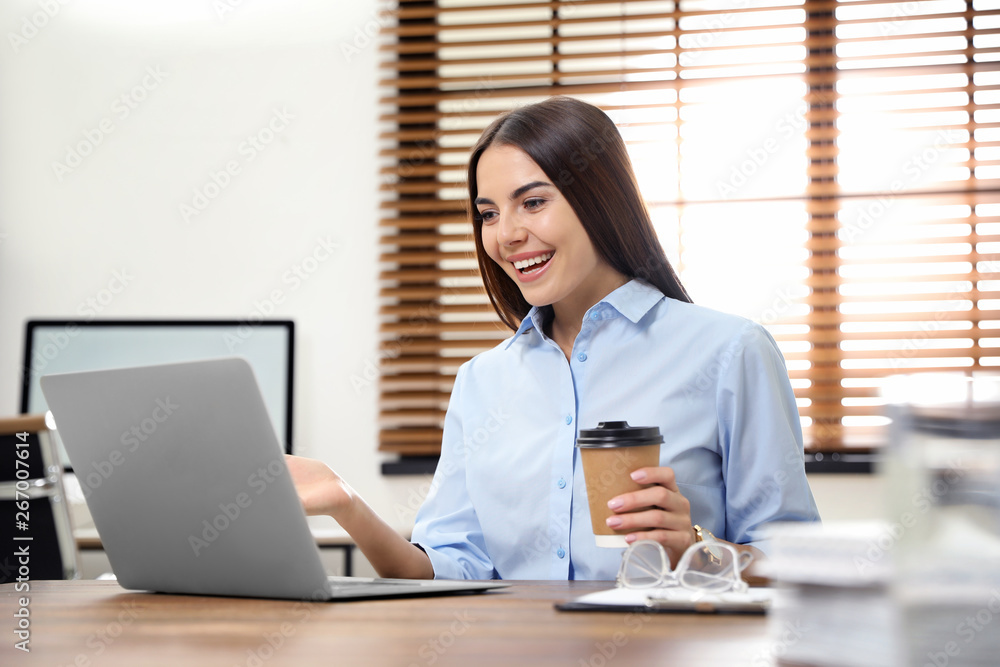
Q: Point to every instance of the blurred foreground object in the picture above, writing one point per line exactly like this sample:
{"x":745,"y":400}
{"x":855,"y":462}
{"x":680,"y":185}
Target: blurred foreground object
{"x":942,"y":466}
{"x":921,"y":587}
{"x":833,"y":604}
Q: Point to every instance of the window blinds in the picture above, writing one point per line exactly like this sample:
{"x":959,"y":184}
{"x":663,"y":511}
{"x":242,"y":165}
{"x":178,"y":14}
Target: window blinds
{"x":829,"y":169}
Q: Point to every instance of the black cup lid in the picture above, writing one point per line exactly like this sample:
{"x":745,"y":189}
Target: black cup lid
{"x":618,"y":434}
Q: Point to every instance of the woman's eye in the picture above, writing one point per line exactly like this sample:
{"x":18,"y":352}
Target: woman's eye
{"x":487,"y":216}
{"x":533,"y":203}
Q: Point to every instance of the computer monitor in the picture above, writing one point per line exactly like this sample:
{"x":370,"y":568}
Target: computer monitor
{"x":62,"y":346}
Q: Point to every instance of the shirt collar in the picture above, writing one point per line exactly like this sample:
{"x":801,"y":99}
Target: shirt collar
{"x":633,"y":300}
{"x":535,"y":319}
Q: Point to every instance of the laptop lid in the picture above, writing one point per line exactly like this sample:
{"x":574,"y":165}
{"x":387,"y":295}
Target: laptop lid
{"x":186,"y":480}
{"x":187,"y":485}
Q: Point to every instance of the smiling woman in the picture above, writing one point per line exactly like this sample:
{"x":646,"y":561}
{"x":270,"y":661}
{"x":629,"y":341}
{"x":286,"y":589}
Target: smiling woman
{"x":604,"y":332}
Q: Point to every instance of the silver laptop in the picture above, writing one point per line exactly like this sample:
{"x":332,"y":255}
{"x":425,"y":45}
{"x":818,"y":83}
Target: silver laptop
{"x":188,"y":488}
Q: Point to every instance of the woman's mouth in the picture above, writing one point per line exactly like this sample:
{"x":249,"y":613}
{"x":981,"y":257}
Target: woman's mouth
{"x":532,"y":264}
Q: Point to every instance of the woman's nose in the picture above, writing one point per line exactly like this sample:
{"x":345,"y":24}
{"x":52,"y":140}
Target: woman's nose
{"x":511,"y":231}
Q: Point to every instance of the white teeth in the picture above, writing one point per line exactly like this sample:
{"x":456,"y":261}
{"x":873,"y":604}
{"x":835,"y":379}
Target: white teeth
{"x":525,"y":263}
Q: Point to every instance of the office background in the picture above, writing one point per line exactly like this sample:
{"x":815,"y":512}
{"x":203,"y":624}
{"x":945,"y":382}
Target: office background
{"x":228,"y":174}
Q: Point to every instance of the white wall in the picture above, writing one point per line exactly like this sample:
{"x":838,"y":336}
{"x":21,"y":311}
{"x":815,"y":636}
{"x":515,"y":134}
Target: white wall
{"x":850,"y":497}
{"x":107,"y":235}
{"x":155,"y":98}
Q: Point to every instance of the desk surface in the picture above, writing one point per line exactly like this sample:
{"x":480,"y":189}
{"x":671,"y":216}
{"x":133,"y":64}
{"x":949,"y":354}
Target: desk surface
{"x":99,"y":623}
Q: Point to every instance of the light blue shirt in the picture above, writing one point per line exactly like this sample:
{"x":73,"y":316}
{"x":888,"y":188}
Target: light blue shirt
{"x":508,"y":499}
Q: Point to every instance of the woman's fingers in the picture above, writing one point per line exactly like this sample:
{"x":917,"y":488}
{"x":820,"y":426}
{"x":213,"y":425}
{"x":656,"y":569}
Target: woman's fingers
{"x":658,"y":512}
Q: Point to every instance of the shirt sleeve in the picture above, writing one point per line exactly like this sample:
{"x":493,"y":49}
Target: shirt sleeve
{"x":447,"y":527}
{"x":761,"y":441}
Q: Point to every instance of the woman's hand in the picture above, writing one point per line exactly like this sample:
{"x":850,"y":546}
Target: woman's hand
{"x":664,"y":516}
{"x":321,"y":490}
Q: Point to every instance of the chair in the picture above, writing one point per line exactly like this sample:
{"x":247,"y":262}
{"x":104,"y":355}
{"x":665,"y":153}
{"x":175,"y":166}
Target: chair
{"x":34,"y":514}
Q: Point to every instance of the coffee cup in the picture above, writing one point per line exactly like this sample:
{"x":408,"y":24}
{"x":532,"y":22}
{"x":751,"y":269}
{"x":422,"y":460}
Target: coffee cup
{"x":610,"y":453}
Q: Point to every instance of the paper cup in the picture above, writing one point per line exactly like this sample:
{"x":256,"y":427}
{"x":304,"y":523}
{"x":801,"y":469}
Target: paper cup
{"x":610,"y":453}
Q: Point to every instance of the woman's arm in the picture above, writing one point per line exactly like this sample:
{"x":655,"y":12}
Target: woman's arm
{"x":324,"y":492}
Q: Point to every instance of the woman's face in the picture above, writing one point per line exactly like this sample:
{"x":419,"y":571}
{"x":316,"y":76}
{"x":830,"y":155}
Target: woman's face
{"x":533,"y":234}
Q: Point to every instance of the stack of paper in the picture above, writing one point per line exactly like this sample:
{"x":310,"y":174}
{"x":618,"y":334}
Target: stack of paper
{"x":951,"y":625}
{"x":833,"y":605}
{"x":842,"y":599}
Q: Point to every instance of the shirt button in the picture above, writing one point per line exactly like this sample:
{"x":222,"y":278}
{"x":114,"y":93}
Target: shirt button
{"x":595,"y":315}
{"x":561,"y":552}
{"x":561,"y":483}
{"x":569,"y":419}
{"x":582,"y":356}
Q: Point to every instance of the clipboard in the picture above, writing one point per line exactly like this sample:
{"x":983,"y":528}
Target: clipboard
{"x":672,"y":600}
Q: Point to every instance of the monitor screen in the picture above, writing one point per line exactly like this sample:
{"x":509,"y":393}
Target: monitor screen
{"x":62,"y":346}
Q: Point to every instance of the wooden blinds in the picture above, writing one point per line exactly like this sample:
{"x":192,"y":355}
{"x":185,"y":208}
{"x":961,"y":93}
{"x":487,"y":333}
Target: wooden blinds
{"x":829,"y":169}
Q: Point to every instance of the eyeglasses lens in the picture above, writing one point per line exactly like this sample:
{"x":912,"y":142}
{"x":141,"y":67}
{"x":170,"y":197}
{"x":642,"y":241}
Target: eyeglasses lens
{"x":645,"y":565}
{"x":708,"y":567}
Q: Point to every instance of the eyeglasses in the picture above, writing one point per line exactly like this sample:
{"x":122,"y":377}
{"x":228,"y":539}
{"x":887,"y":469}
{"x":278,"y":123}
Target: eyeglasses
{"x":709,"y":566}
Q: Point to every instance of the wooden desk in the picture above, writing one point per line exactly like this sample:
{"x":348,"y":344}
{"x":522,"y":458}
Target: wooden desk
{"x":98,"y":623}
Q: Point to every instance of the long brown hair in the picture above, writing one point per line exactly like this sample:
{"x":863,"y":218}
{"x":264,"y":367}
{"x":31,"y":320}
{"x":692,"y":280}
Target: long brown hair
{"x":580,"y":150}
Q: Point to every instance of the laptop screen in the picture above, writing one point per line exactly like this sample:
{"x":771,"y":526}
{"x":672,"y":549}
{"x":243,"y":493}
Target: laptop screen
{"x":63,"y":346}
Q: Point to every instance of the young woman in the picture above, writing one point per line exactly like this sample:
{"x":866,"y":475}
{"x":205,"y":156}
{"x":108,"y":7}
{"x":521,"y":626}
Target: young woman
{"x":603,"y":331}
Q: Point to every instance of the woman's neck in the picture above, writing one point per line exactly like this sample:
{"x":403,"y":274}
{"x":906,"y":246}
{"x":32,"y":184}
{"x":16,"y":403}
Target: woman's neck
{"x":567,"y":316}
{"x":564,"y":335}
